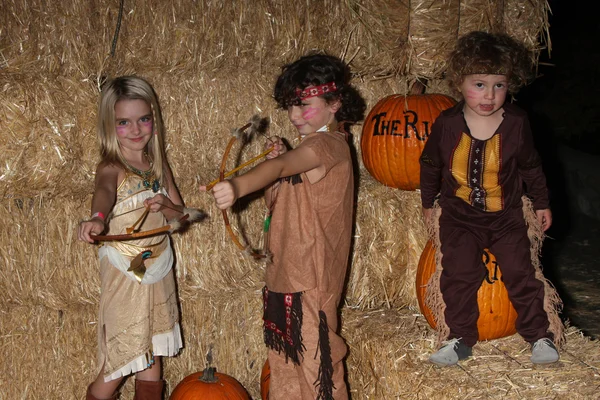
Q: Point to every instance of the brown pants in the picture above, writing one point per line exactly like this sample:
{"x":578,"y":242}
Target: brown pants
{"x":463,"y":240}
{"x":289,"y":381}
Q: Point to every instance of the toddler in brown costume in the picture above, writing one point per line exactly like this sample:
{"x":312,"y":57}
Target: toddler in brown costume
{"x":477,"y":158}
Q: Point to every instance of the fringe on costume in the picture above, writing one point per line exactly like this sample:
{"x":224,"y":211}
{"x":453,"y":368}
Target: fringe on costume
{"x":552,"y":301}
{"x":433,"y":293}
{"x":324,"y":381}
{"x":282,"y":322}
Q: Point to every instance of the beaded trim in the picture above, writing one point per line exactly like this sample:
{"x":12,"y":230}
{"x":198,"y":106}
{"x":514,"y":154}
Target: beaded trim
{"x":319,"y":90}
{"x":148,"y":177}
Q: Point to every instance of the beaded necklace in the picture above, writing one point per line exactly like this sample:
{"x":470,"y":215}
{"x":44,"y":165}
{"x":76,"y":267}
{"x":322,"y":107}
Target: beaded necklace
{"x":148,"y":177}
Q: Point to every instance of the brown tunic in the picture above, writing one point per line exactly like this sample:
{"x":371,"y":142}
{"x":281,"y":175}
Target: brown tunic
{"x":311,"y":225}
{"x":310,"y":235}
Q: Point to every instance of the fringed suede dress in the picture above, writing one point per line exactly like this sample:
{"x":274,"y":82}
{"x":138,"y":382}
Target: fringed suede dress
{"x":138,"y":317}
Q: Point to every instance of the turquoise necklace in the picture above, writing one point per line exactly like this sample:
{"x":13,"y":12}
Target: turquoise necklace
{"x":148,"y":177}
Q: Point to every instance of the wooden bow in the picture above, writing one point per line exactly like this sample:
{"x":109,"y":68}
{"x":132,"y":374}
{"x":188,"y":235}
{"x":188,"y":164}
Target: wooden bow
{"x":173,"y":226}
{"x":237,"y":135}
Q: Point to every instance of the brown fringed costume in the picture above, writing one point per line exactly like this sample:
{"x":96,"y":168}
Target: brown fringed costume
{"x":309,"y":238}
{"x":481,"y":205}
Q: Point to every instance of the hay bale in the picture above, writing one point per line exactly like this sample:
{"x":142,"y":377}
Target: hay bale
{"x":42,"y":258}
{"x":388,"y":360}
{"x":49,"y":354}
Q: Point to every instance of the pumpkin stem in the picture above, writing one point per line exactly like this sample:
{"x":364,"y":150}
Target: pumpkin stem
{"x":208,"y":375}
{"x":418,"y":87}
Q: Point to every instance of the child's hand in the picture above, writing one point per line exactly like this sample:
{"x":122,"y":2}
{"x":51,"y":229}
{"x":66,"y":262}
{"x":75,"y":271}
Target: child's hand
{"x":225,"y":194}
{"x":94,"y":226}
{"x":278,"y":147}
{"x":427,"y":214}
{"x":544,"y":217}
{"x":158,"y":203}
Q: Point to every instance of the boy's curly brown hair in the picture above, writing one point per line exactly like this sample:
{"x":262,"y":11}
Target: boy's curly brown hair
{"x":318,"y":69}
{"x":490,"y":53}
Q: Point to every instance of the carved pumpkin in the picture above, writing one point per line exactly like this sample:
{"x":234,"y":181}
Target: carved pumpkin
{"x":209,"y":385}
{"x":496,"y":313}
{"x":394,"y":134}
{"x":265,"y":381}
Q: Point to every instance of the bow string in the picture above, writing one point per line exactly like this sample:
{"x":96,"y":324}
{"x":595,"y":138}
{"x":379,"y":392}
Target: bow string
{"x":251,"y":127}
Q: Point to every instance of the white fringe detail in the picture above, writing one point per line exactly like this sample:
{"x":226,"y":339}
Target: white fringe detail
{"x":165,"y":344}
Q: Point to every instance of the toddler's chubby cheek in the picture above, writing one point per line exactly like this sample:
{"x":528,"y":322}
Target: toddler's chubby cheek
{"x":308,"y":114}
{"x":470,"y":94}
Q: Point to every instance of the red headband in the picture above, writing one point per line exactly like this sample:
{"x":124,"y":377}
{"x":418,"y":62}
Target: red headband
{"x":313,"y":91}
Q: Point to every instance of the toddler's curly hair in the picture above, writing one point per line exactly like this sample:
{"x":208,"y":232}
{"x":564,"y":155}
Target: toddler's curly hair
{"x":490,"y":53}
{"x":318,"y":69}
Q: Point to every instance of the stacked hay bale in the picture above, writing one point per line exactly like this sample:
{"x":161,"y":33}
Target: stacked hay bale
{"x":213,"y":65}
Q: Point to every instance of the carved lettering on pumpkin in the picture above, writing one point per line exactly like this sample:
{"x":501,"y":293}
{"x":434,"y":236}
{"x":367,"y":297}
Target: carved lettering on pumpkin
{"x":383,"y":127}
{"x":486,"y":259}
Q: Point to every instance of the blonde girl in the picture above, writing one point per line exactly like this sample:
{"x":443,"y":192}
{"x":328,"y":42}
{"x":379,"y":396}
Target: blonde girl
{"x":138,"y":320}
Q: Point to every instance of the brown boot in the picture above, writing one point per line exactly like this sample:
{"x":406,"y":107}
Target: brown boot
{"x":148,"y":390}
{"x":90,"y":396}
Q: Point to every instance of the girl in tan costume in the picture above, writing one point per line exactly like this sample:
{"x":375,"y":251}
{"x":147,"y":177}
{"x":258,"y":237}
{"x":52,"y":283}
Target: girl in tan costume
{"x":138,"y":318}
{"x":310,"y":190}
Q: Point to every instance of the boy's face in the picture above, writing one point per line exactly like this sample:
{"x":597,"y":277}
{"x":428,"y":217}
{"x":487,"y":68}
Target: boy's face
{"x":484,"y":94}
{"x":312,"y":114}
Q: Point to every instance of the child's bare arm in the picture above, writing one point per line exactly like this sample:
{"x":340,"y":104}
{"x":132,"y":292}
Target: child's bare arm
{"x":290,"y":163}
{"x":102,"y":202}
{"x":278,"y":149}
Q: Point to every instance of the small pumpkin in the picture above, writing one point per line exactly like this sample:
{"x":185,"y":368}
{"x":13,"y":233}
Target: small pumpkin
{"x":394,"y":134}
{"x":265,"y":381}
{"x":209,"y":385}
{"x":497,"y":315}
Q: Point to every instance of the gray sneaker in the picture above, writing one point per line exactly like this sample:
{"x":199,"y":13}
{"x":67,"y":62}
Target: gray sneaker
{"x":452,"y":351}
{"x":543,"y":351}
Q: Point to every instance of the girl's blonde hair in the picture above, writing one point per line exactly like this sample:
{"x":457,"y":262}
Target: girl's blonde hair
{"x":130,"y":88}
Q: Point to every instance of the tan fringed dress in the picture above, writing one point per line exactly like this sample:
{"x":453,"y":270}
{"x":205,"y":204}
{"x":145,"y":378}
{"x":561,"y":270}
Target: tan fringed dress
{"x":137,"y":320}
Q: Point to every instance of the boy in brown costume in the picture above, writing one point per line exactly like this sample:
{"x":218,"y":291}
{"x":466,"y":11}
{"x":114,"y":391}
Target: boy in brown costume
{"x":310,"y":192}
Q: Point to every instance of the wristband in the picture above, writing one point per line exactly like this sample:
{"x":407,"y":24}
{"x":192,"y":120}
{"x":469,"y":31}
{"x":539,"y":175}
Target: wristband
{"x":98,"y":214}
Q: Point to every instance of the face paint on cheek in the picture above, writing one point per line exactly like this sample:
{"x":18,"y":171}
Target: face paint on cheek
{"x":147,"y":124}
{"x":471,"y":94}
{"x":308,"y":114}
{"x":121,"y":130}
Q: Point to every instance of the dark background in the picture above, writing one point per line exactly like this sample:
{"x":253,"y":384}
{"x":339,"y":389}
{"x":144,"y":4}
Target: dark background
{"x":563,"y":105}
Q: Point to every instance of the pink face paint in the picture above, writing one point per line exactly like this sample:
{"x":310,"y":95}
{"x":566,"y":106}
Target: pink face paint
{"x":308,"y":114}
{"x":147,"y":124}
{"x":121,"y":130}
{"x":471,"y":94}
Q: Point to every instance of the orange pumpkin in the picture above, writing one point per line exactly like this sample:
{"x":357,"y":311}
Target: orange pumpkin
{"x":265,"y":380}
{"x":209,"y":385}
{"x":496,"y":313}
{"x":394,"y":134}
